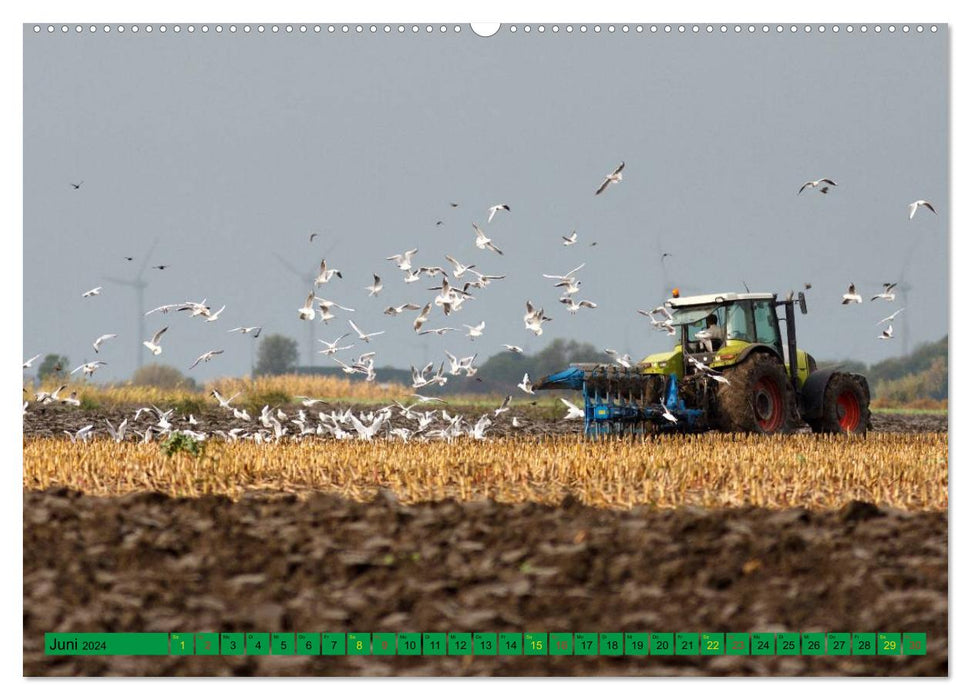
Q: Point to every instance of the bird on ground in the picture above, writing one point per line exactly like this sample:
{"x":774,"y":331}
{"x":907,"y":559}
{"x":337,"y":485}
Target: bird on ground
{"x":574,"y":306}
{"x":205,"y":357}
{"x":889,"y":318}
{"x":373,"y":289}
{"x":92,"y":292}
{"x":403,"y":261}
{"x":814,"y":184}
{"x":306,"y":311}
{"x":573,"y":411}
{"x":332,"y":347}
{"x":571,"y":239}
{"x":611,"y":179}
{"x":526,"y":385}
{"x":851,"y":297}
{"x":153,"y":344}
{"x":887,"y":333}
{"x":475,"y":331}
{"x":366,"y":337}
{"x":887,"y":292}
{"x":255,"y":330}
{"x":459,"y":268}
{"x":482,"y":242}
{"x":29,"y":363}
{"x":89,"y":367}
{"x":395,"y":310}
{"x":102,"y":338}
{"x":77,"y":185}
{"x":493,"y":209}
{"x":513,"y":348}
{"x":914,"y":206}
{"x":323,"y":277}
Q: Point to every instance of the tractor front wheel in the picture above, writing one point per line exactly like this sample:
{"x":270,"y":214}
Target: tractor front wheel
{"x":758,"y":397}
{"x":846,"y":407}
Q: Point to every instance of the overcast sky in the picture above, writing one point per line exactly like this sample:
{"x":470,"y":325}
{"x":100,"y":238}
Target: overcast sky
{"x":229,"y":150}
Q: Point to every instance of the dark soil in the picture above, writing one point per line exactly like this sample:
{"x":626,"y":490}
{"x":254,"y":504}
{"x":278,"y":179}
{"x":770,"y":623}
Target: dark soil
{"x":267,"y":563}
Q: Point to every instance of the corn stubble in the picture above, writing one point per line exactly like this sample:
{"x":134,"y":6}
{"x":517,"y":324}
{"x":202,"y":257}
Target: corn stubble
{"x":907,"y":471}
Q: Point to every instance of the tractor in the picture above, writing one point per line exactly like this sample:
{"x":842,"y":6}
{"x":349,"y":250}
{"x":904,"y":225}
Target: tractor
{"x":732,"y":370}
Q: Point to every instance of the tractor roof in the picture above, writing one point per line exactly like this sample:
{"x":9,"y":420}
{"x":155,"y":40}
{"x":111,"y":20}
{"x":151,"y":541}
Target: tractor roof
{"x":706,"y":299}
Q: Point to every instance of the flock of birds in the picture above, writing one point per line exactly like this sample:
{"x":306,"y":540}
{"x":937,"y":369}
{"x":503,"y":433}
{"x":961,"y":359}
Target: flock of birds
{"x":452,"y":293}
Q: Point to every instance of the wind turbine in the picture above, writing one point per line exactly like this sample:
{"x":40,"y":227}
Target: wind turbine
{"x":138,"y":283}
{"x":307,"y":281}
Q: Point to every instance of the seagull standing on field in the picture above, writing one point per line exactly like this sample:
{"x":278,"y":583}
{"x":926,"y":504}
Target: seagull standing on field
{"x":813,"y":184}
{"x":376,"y":287}
{"x":153,"y":344}
{"x":366,"y":337}
{"x":914,"y":206}
{"x":887,"y":292}
{"x":526,"y":385}
{"x":102,"y":338}
{"x":611,"y":179}
{"x":494,"y":209}
{"x":482,"y":242}
{"x":92,"y":292}
{"x":306,"y":311}
{"x":851,"y":297}
{"x":205,"y":357}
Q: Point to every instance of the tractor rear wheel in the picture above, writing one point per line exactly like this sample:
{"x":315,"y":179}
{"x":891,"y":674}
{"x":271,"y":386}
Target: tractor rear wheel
{"x":758,"y":397}
{"x":846,"y":407}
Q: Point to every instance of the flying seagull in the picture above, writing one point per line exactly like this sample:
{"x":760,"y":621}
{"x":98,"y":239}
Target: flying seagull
{"x":92,"y":292}
{"x":77,"y":185}
{"x":851,"y":296}
{"x":403,"y":261}
{"x":332,"y":348}
{"x":887,"y":333}
{"x":889,"y":318}
{"x":460,"y":269}
{"x":205,"y":357}
{"x":494,"y":209}
{"x":160,"y":267}
{"x":422,"y":317}
{"x":395,"y":310}
{"x":611,"y":179}
{"x":376,"y":287}
{"x":102,"y":338}
{"x":313,"y":236}
{"x":482,"y":242}
{"x":813,"y":184}
{"x":153,"y":344}
{"x":513,"y":348}
{"x":255,"y":330}
{"x":29,"y":363}
{"x":914,"y":206}
{"x":574,"y":412}
{"x":526,"y":385}
{"x":306,"y":311}
{"x":504,"y":407}
{"x":89,"y":367}
{"x":574,"y":306}
{"x":475,"y":331}
{"x":887,"y":292}
{"x":366,"y":337}
{"x":571,"y":239}
{"x":323,"y":277}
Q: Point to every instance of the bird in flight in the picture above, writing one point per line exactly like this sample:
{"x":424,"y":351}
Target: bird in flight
{"x":153,"y":344}
{"x":29,"y":363}
{"x":77,"y":185}
{"x":814,"y":184}
{"x":313,"y":236}
{"x":332,"y":348}
{"x":205,"y":357}
{"x":89,"y":367}
{"x":889,"y":318}
{"x":129,"y":258}
{"x":914,"y":206}
{"x":482,"y":242}
{"x":160,"y":267}
{"x":571,"y":239}
{"x":403,"y":261}
{"x":395,"y":310}
{"x":526,"y":385}
{"x":513,"y":348}
{"x":851,"y":297}
{"x":323,"y":277}
{"x":887,"y":292}
{"x":366,"y":337}
{"x":493,"y":209}
{"x":102,"y":338}
{"x":475,"y":331}
{"x":255,"y":330}
{"x":306,"y":311}
{"x":611,"y":179}
{"x":376,"y":287}
{"x":574,"y":306}
{"x":92,"y":292}
{"x":573,"y":411}
{"x":887,"y":333}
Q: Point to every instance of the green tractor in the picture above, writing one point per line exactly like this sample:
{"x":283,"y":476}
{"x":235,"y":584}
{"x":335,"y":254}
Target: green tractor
{"x":732,"y":370}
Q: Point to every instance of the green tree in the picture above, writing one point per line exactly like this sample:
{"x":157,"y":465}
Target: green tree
{"x":162,"y":377}
{"x":277,"y":355}
{"x":53,"y":365}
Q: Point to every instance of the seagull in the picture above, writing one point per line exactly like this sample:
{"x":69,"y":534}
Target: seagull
{"x":887,"y":333}
{"x":428,"y":399}
{"x":308,"y":402}
{"x":611,"y":179}
{"x":325,"y":307}
{"x":526,"y":385}
{"x":534,"y":319}
{"x":165,"y":308}
{"x":255,"y":330}
{"x":77,"y":185}
{"x":475,"y":331}
{"x":513,"y":348}
{"x":306,"y":311}
{"x":92,"y":292}
{"x":223,"y":402}
{"x":571,"y":239}
{"x":395,"y":310}
{"x":504,"y":407}
{"x":434,"y":271}
{"x":29,"y":363}
{"x":72,"y":400}
{"x":376,"y":287}
{"x":412,"y":276}
{"x":403,"y":261}
{"x":454,"y":205}
{"x":422,"y":317}
{"x":494,"y":209}
{"x":889,"y":318}
{"x":482,"y":242}
{"x":887,"y":293}
{"x":153,"y":343}
{"x":313,"y":236}
{"x":160,"y":267}
{"x":102,"y":338}
{"x":575,"y":306}
{"x":914,"y":206}
{"x":573,"y":411}
{"x":812,"y":184}
{"x":205,"y":357}
{"x":667,"y":414}
{"x":851,"y":296}
{"x":437,"y":331}
{"x":366,"y":337}
{"x":624,"y":360}
{"x":332,"y":347}
{"x":460,"y":269}
{"x":214,"y":316}
{"x":323,"y":277}
{"x":89,"y":367}
{"x":568,"y":279}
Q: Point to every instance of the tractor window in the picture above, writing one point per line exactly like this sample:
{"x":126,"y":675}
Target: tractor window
{"x":738,"y":325}
{"x":766,"y":328}
{"x":696,"y":344}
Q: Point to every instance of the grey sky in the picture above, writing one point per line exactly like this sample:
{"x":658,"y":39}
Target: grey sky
{"x":229,"y":148}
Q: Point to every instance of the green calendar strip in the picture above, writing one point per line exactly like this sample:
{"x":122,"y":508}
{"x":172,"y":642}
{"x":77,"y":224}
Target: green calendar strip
{"x":630,"y":644}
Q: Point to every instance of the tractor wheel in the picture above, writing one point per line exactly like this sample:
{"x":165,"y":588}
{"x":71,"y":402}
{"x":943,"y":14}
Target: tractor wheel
{"x":758,"y":397}
{"x":846,"y":407}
